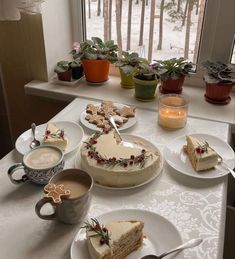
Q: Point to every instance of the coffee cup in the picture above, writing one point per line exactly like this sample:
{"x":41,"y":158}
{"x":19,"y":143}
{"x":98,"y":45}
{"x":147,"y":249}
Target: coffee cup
{"x":39,"y":165}
{"x":71,"y":209}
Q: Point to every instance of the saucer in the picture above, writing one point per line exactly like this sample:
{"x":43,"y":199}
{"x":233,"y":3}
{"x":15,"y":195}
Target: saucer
{"x":223,"y":102}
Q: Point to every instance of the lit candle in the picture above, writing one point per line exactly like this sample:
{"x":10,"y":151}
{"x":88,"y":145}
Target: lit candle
{"x":172,"y":119}
{"x":172,"y":112}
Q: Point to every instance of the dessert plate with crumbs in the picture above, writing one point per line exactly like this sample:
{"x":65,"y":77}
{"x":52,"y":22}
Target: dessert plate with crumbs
{"x":160,"y":235}
{"x":178,"y":159}
{"x":72,"y":132}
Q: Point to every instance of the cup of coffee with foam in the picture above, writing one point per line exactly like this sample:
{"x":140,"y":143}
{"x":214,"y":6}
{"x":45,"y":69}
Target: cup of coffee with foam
{"x":39,"y":165}
{"x":69,"y":193}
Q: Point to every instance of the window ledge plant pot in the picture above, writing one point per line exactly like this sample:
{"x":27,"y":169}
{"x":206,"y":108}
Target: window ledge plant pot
{"x":126,"y":80}
{"x":218,"y":93}
{"x":96,"y":71}
{"x":77,"y":72}
{"x":174,"y":86}
{"x":65,"y":76}
{"x":145,"y":90}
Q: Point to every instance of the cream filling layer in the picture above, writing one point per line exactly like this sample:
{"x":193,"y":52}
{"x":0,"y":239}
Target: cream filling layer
{"x":123,"y":234}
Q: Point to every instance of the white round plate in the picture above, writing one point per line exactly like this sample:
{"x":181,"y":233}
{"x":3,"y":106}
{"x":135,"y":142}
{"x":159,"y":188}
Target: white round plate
{"x":138,"y":142}
{"x":73,"y":132}
{"x":161,"y":234}
{"x":131,"y":121}
{"x":178,"y":159}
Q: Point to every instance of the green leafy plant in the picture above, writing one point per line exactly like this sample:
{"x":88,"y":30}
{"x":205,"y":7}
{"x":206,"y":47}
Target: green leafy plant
{"x":99,"y":230}
{"x":76,"y":63}
{"x":96,"y":49}
{"x":218,"y":72}
{"x":146,"y":72}
{"x":62,"y":66}
{"x":128,"y":61}
{"x":173,"y":68}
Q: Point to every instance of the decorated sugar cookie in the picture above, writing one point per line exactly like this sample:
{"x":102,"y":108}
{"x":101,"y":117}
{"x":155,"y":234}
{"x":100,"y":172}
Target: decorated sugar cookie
{"x":56,"y":192}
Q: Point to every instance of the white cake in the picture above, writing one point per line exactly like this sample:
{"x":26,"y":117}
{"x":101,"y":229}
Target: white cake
{"x":112,"y":164}
{"x":201,"y":155}
{"x":123,"y":238}
{"x":55,"y":137}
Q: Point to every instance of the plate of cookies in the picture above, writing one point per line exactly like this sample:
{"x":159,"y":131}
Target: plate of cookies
{"x":95,"y":117}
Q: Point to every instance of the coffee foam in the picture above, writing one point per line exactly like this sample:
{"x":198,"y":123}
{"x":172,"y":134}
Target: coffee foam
{"x":44,"y":157}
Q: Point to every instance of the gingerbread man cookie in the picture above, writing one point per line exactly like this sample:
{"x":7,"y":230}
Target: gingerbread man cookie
{"x":107,"y":104}
{"x":92,"y":109}
{"x":106,"y":110}
{"x":126,"y":111}
{"x":56,"y":192}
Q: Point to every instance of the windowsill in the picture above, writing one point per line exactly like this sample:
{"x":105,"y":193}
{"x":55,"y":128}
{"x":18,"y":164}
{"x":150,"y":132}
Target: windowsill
{"x":111,"y":90}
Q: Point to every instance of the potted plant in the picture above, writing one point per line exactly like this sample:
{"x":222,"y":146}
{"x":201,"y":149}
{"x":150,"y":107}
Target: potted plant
{"x":145,"y":79}
{"x":96,"y":56}
{"x":127,"y":65}
{"x":63,"y":70}
{"x":219,"y":81}
{"x":172,"y":73}
{"x":77,"y":69}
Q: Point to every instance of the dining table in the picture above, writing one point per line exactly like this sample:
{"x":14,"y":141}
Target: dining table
{"x":195,"y":206}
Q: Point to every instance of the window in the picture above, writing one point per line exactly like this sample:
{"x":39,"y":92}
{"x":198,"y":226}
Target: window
{"x":158,"y":29}
{"x":161,"y":29}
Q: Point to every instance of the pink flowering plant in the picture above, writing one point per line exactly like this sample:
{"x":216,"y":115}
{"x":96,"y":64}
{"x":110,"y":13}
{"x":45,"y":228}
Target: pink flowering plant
{"x":75,"y":54}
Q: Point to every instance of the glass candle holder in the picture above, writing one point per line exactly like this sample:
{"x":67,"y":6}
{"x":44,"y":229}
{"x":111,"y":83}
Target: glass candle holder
{"x":173,"y":111}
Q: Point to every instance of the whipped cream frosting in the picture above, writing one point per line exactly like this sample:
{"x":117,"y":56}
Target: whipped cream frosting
{"x":116,"y":174}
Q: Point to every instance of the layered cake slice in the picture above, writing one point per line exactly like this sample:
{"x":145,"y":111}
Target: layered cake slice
{"x":55,"y":136}
{"x":116,"y":240}
{"x":201,"y":155}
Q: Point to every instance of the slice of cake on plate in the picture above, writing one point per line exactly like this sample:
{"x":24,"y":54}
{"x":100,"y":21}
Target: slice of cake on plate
{"x":55,"y":136}
{"x":201,"y":155}
{"x":115,"y":240}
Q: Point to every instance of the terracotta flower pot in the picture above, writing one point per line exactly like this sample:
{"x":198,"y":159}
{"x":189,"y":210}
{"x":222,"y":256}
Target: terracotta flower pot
{"x":145,"y":90}
{"x":218,"y":93}
{"x":126,"y":80}
{"x":65,"y":76}
{"x":96,"y":71}
{"x":172,"y":86}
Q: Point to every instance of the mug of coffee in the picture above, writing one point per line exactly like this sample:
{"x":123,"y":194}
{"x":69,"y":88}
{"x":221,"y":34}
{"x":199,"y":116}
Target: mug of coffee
{"x":39,"y":165}
{"x":73,"y":208}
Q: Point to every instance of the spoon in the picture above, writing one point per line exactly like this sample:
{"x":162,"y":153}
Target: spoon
{"x":189,"y":244}
{"x":124,"y":143}
{"x":221,"y":161}
{"x":34,"y":143}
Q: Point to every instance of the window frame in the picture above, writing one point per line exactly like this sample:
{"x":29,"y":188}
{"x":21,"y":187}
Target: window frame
{"x":218,"y":23}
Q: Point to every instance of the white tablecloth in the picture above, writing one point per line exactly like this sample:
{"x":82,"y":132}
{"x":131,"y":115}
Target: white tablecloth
{"x":195,"y":206}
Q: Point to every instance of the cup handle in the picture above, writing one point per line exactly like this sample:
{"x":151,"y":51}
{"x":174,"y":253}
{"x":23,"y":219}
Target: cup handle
{"x":40,"y":204}
{"x":14,"y":168}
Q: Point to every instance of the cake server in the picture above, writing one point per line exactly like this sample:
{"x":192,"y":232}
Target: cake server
{"x":189,"y":244}
{"x":34,"y":143}
{"x":124,"y":143}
